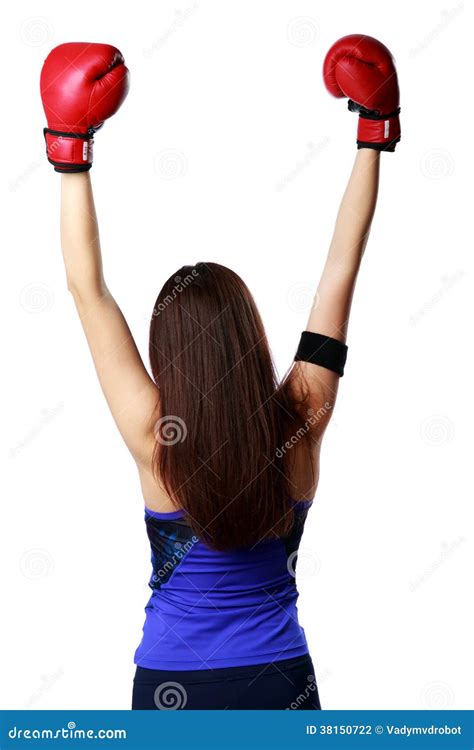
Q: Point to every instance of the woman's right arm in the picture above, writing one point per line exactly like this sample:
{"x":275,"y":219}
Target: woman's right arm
{"x":312,"y":386}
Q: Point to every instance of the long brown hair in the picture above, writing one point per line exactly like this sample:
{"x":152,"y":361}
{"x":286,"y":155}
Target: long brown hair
{"x":222,"y":416}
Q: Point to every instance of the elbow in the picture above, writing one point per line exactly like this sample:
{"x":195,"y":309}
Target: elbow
{"x":85,"y":293}
{"x":71,"y":286}
{"x":74,"y":288}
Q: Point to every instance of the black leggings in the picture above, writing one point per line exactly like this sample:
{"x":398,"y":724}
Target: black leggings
{"x":288,"y":684}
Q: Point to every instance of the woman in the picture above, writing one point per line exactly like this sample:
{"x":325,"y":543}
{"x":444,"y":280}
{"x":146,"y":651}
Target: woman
{"x":228,"y":458}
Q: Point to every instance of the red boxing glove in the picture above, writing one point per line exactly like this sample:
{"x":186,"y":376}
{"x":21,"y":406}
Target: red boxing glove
{"x":362,"y":69}
{"x":81,"y":86}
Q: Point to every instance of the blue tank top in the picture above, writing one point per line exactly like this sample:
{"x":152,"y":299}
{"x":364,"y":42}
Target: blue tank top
{"x":212,"y":609}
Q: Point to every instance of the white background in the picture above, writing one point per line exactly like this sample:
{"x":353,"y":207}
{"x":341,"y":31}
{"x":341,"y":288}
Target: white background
{"x":228,"y":149}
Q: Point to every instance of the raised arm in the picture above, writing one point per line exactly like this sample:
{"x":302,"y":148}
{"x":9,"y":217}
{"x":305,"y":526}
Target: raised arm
{"x":130,"y":392}
{"x":330,"y":312}
{"x":362,"y":69}
{"x":313,"y":384}
{"x":82,"y":85}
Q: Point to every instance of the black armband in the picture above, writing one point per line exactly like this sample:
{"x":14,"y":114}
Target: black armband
{"x":323,"y":351}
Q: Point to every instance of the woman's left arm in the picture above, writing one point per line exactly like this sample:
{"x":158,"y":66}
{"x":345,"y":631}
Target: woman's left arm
{"x":130,"y":392}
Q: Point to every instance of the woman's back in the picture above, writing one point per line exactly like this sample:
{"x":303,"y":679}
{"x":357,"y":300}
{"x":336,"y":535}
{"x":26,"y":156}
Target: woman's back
{"x":211,"y":608}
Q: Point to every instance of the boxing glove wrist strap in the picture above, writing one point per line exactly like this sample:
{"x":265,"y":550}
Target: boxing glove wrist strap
{"x":375,"y":130}
{"x":69,"y":152}
{"x":369,"y":114}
